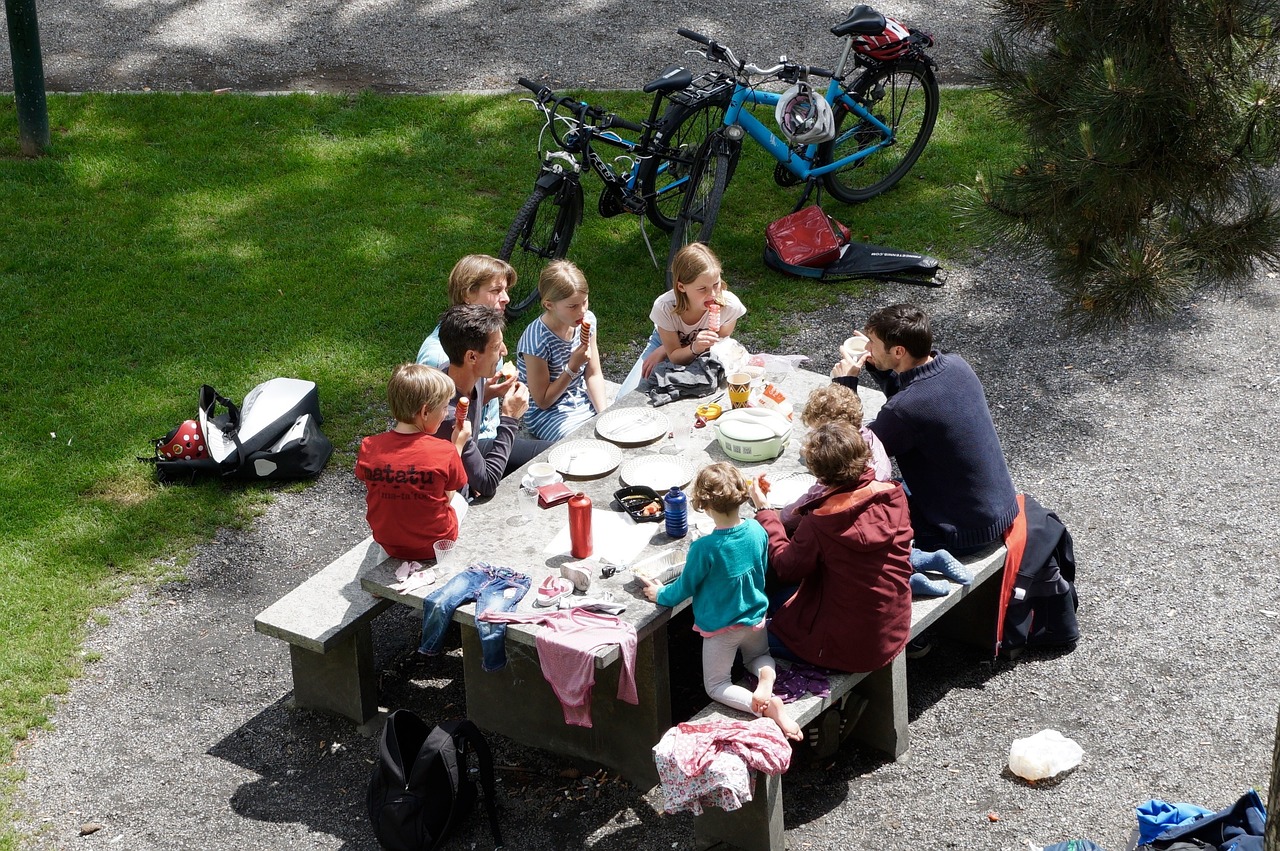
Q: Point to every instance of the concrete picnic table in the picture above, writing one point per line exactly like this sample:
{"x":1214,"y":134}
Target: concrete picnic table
{"x":516,"y":701}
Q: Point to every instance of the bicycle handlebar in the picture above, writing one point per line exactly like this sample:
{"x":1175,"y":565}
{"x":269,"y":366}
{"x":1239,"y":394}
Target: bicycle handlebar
{"x":693,"y":36}
{"x":534,"y":87}
{"x":722,"y":53}
{"x":583,"y":111}
{"x":619,"y":121}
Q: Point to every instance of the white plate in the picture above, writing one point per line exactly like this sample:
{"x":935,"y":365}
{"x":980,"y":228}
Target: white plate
{"x":585,"y":459}
{"x":787,"y":489}
{"x":631,"y":426}
{"x":660,"y":472}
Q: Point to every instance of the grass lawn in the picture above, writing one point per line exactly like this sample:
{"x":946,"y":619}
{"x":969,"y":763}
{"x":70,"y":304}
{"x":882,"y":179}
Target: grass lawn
{"x":169,"y":241}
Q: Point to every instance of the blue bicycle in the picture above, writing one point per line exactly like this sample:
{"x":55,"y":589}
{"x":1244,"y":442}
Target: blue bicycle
{"x":880,"y":121}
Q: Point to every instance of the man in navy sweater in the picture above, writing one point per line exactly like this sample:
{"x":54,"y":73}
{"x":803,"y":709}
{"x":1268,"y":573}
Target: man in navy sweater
{"x":937,"y":425}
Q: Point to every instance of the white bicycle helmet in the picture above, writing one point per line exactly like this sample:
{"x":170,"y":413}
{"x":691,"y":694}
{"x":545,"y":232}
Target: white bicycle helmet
{"x":805,"y":116}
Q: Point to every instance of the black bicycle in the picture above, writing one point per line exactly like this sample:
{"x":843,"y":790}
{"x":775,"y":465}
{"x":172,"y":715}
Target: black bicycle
{"x":652,"y":178}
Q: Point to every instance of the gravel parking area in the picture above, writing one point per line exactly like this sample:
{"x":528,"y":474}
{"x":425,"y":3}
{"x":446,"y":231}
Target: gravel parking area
{"x":1150,"y":443}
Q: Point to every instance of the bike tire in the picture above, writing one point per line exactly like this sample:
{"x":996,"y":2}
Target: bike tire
{"x":661,"y":178}
{"x":701,"y":208}
{"x":541,"y":232}
{"x":902,"y":94}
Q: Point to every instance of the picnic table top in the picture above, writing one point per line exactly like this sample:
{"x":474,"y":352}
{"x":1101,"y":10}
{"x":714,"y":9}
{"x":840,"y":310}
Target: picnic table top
{"x":494,"y":531}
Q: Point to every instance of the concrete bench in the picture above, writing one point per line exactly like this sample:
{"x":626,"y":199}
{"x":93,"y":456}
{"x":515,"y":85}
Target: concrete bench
{"x":870,"y":708}
{"x":326,"y":621}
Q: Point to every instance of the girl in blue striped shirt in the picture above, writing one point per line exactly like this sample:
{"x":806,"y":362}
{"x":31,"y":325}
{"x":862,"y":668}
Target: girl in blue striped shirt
{"x":558,"y":358}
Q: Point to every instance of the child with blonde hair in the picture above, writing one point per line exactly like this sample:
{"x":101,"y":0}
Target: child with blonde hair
{"x":557,"y":356}
{"x":724,"y":573}
{"x":683,"y":316}
{"x":410,"y":475}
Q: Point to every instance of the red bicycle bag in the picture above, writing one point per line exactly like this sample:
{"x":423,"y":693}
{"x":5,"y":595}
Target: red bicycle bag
{"x":807,"y":237}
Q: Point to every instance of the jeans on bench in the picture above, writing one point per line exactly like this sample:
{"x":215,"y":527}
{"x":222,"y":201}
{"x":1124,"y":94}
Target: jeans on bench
{"x":494,"y":589}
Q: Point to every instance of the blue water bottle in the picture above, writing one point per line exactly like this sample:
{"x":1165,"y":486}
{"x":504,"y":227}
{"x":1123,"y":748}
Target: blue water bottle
{"x":677,"y":513}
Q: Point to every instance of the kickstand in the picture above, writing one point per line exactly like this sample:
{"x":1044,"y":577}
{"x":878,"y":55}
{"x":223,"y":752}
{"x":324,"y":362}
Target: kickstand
{"x":809,"y":186}
{"x":647,"y":244}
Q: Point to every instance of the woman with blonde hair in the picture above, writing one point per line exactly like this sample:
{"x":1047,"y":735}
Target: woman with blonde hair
{"x":475,"y":279}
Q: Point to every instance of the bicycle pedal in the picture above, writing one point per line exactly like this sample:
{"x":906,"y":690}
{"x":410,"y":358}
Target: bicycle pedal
{"x":635,"y":204}
{"x":784,"y":177}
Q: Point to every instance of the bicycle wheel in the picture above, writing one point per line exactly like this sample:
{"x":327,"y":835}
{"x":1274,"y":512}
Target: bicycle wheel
{"x":903,"y":95}
{"x":697,"y":217}
{"x":541,"y":232}
{"x":662,"y":179}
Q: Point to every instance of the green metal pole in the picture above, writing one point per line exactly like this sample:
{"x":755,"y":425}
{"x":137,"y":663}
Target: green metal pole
{"x":28,"y":76}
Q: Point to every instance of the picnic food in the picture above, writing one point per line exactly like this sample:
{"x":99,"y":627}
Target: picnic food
{"x":713,"y":316}
{"x":508,"y":370}
{"x":709,"y":412}
{"x":584,"y":334}
{"x":463,"y":404}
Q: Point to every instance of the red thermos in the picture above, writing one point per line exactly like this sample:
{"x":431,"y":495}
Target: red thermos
{"x":580,"y":525}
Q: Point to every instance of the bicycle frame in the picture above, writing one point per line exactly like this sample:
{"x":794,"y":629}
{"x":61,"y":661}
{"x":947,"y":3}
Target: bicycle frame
{"x":801,"y":163}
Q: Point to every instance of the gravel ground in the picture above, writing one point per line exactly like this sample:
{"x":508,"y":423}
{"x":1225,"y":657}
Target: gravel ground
{"x":1150,"y":443}
{"x":328,"y":45}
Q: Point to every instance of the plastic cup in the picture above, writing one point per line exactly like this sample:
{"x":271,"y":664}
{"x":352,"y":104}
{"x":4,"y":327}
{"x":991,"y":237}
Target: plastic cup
{"x":446,"y":554}
{"x":528,"y":504}
{"x":681,"y":433}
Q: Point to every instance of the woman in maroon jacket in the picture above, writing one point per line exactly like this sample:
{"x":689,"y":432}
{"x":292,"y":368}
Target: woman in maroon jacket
{"x":850,"y":555}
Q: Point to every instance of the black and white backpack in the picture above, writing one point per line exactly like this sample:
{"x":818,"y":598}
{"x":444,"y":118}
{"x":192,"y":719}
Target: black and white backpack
{"x":274,"y":434}
{"x":421,"y":789}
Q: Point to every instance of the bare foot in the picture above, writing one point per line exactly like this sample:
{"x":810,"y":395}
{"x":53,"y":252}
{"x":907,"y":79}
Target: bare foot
{"x":778,"y":713}
{"x":764,"y":688}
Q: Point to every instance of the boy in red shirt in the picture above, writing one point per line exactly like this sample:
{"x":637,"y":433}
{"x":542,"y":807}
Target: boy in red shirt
{"x":411,"y":475}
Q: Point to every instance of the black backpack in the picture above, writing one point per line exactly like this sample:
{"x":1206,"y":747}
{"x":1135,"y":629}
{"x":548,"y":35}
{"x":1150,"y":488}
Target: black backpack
{"x":274,"y":435}
{"x":1043,"y":601}
{"x":421,"y":788}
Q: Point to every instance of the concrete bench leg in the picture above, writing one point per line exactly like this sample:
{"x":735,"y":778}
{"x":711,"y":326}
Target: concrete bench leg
{"x":757,"y":826}
{"x":883,"y":724}
{"x":340,"y":681}
{"x":517,"y":702}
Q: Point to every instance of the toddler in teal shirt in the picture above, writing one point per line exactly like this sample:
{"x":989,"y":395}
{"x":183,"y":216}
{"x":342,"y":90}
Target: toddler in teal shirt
{"x":724,"y":574}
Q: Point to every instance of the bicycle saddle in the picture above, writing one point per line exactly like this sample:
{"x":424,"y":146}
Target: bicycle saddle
{"x":673,"y":78}
{"x":862,"y":20}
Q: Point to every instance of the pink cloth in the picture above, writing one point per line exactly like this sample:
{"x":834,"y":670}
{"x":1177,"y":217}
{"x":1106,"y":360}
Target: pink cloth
{"x":567,"y":644}
{"x":879,"y":460}
{"x":710,"y":764}
{"x":759,"y":742}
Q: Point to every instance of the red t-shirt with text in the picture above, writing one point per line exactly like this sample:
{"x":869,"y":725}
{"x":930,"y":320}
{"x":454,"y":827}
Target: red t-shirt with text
{"x":406,"y":476}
